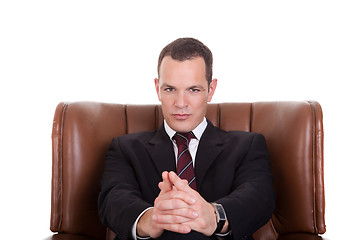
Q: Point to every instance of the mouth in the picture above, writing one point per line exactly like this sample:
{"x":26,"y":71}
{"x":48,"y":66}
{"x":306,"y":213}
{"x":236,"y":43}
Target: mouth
{"x":181,"y":116}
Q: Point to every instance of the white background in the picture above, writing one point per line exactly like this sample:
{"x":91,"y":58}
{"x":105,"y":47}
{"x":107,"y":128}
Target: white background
{"x":52,"y":51}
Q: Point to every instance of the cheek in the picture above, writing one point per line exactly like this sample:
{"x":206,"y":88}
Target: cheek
{"x":200,"y":104}
{"x":165,"y":104}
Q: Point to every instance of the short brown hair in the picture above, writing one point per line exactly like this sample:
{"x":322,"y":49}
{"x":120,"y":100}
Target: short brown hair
{"x":185,"y":49}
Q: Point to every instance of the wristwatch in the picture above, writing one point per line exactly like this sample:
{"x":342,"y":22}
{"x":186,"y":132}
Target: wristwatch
{"x":220,"y":217}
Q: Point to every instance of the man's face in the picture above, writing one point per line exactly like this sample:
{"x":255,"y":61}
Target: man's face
{"x":183,"y":92}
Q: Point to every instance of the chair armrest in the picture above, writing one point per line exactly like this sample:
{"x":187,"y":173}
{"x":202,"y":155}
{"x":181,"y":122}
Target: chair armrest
{"x":301,"y":236}
{"x":64,"y":236}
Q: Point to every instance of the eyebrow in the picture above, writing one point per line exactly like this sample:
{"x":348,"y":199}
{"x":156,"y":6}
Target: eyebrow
{"x":191,"y":87}
{"x":166,"y":86}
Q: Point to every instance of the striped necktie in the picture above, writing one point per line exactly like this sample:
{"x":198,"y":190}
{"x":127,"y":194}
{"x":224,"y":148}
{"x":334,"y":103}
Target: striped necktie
{"x":185,"y":166}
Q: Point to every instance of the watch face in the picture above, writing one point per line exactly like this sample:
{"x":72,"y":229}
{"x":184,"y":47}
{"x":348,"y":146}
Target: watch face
{"x":221,"y":211}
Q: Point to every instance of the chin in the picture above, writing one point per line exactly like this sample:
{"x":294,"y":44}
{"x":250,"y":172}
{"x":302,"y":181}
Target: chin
{"x":182,"y":127}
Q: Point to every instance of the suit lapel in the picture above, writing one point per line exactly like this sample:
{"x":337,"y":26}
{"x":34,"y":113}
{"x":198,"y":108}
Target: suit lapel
{"x":209,"y":148}
{"x":162,"y":152}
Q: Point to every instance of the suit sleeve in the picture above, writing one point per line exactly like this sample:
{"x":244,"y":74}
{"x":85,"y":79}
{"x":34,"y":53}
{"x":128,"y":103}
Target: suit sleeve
{"x":252,"y":201}
{"x":120,"y":201}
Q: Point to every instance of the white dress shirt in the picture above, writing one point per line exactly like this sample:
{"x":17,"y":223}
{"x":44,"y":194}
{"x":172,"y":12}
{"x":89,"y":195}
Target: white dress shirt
{"x":194,"y":142}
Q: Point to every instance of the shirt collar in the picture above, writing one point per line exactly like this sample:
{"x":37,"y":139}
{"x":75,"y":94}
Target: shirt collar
{"x":198,"y":131}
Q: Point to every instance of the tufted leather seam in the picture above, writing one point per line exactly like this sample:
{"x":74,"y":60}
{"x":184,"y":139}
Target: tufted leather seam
{"x":219,"y":114}
{"x":126,"y":119}
{"x":251,"y":117}
{"x":156,"y":117}
{"x":274,"y":230}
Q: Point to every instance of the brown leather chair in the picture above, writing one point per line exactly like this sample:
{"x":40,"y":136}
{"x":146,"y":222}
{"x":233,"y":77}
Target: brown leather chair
{"x":82,"y":132}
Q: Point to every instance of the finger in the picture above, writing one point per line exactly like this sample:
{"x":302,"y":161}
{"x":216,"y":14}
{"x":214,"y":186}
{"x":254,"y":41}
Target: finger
{"x":175,"y":227}
{"x":179,"y":183}
{"x":174,"y":199}
{"x":169,"y":203}
{"x":170,"y":219}
{"x":187,"y":213}
{"x":165,"y":176}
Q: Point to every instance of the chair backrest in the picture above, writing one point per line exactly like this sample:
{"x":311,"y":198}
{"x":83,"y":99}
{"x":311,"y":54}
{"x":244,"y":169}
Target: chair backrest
{"x":82,"y":132}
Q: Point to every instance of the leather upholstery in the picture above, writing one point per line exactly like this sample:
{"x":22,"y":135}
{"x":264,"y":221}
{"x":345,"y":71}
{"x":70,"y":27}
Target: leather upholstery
{"x":82,"y":132}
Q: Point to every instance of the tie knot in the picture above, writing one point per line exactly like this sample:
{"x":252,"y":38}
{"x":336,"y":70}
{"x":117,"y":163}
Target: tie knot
{"x":183,"y":138}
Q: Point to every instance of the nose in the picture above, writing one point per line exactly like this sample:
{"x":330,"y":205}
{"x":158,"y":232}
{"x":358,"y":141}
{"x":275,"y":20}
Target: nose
{"x":180,"y":100}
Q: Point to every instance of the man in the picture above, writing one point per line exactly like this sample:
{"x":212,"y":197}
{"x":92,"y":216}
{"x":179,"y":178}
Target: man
{"x":224,"y":189}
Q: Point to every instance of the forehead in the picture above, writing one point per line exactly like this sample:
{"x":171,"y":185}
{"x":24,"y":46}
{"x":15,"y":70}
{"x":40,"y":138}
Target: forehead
{"x":193,"y":69}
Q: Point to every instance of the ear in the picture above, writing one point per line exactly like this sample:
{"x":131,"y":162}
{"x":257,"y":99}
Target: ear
{"x":157,"y":88}
{"x":212,"y":88}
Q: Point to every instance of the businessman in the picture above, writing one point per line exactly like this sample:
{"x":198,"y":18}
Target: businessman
{"x":188,"y":179}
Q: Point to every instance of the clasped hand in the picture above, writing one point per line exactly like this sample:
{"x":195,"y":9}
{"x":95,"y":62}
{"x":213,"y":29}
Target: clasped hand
{"x":178,"y":208}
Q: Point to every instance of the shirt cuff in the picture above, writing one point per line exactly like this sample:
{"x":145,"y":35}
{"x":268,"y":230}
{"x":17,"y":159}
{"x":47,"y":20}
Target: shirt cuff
{"x":133,"y":231}
{"x":223,"y":234}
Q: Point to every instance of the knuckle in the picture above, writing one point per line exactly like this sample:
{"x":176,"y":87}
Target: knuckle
{"x":174,"y":228}
{"x":189,"y":212}
{"x":202,"y":224}
{"x":173,"y":194}
{"x":178,"y":203}
{"x":184,"y":182}
{"x":175,"y":219}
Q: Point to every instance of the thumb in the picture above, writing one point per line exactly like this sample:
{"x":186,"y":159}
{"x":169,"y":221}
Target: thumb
{"x":166,"y":185}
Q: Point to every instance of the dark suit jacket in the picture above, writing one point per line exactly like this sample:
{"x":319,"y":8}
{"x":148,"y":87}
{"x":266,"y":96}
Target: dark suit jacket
{"x":231,"y":168}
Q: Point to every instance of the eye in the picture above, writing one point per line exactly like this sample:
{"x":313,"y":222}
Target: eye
{"x":168,"y":89}
{"x":195,"y":90}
